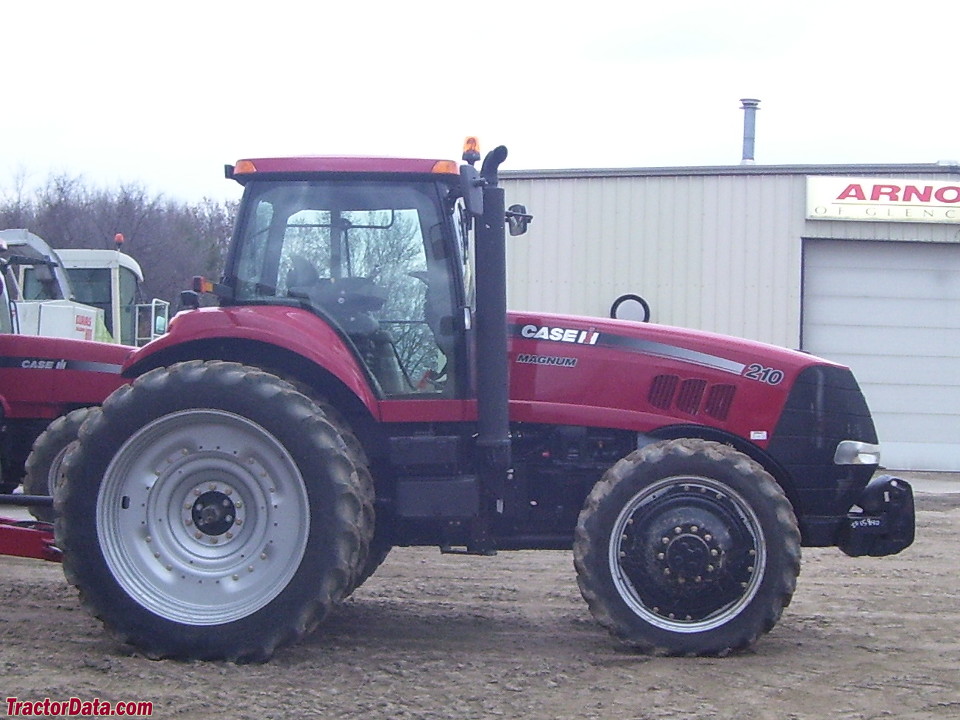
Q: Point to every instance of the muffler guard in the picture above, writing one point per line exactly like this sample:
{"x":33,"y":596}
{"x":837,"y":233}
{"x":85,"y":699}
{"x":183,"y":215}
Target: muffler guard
{"x":884,"y":523}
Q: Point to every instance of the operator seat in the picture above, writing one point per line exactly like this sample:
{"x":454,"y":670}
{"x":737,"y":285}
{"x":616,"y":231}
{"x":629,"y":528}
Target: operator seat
{"x":301,"y":275}
{"x":345,"y":300}
{"x":350,"y":302}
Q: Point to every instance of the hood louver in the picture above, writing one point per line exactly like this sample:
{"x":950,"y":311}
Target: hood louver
{"x":692,"y":396}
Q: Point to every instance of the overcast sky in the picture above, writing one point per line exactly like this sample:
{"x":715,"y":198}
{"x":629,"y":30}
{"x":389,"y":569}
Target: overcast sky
{"x":165,"y":93}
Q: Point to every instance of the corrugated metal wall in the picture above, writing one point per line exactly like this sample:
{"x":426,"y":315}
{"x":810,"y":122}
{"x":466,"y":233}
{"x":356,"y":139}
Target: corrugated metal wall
{"x":714,"y":252}
{"x":716,"y":249}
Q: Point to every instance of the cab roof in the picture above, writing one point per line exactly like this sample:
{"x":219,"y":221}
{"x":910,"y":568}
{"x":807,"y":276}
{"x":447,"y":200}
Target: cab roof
{"x":250,"y":168}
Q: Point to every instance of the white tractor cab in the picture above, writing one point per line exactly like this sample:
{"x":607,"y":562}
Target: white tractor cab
{"x":107,"y":281}
{"x":8,"y":292}
{"x":49,"y":308}
{"x":111,"y":280}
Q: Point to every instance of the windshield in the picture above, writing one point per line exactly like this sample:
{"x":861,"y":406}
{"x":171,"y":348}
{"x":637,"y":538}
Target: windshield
{"x":369,"y":256}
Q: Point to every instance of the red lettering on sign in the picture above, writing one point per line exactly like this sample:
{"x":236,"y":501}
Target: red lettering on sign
{"x":949,"y":194}
{"x":912,"y":192}
{"x":852,"y":192}
{"x":891,"y":192}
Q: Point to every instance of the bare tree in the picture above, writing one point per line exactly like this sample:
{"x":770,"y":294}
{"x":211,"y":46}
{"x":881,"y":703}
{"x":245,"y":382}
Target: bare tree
{"x":172,"y":241}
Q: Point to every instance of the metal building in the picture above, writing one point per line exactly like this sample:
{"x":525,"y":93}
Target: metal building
{"x":856,"y":263}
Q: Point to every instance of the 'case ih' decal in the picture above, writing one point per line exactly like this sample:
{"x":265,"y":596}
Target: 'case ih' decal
{"x":631,"y":344}
{"x":557,"y":334}
{"x":35,"y":363}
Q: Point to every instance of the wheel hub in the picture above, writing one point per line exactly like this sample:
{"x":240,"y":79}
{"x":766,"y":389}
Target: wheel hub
{"x":692,"y":556}
{"x":213,"y":513}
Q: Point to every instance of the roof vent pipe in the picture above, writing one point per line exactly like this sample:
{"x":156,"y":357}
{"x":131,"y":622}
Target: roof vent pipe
{"x":749,"y":107}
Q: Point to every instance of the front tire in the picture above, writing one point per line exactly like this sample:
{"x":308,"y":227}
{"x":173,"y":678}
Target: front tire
{"x":687,"y":547}
{"x":210,"y":512}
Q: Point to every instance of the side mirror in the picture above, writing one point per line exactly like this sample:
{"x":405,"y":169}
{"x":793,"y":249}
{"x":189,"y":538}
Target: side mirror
{"x":518,"y":219}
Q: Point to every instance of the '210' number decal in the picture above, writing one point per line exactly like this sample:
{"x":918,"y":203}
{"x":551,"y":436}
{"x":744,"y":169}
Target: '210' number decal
{"x":768,"y":375}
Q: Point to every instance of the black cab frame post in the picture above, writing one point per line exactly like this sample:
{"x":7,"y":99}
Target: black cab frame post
{"x":493,"y":422}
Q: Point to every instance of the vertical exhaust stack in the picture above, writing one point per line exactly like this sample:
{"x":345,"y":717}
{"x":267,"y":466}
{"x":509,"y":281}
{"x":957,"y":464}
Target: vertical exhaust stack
{"x":749,"y":107}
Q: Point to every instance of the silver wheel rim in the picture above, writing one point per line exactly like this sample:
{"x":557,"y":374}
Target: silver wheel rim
{"x":203,"y":517}
{"x":655,"y":500}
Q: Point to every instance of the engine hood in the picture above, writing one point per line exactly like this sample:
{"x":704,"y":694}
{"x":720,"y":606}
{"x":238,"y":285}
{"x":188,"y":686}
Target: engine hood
{"x":643,"y":376}
{"x":693,"y":346}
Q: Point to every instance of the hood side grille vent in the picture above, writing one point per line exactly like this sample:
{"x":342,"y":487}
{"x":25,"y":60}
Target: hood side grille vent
{"x":687,"y":396}
{"x":662,"y":390}
{"x":719,"y":400}
{"x":691,"y":393}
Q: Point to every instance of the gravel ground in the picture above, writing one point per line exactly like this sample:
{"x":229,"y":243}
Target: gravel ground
{"x":433,"y":636}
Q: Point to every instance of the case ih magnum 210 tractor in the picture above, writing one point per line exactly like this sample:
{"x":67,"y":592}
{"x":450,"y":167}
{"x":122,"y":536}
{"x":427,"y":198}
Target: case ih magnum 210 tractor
{"x":360,"y":386}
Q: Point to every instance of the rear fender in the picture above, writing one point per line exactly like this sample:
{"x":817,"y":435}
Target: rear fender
{"x":265,"y":336}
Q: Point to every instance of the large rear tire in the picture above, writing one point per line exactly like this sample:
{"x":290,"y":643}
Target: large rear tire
{"x":44,"y":465}
{"x":687,"y":547}
{"x":210,"y":512}
{"x":374,"y":552}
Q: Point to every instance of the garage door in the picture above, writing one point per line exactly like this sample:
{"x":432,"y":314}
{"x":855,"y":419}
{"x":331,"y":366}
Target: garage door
{"x":891,"y":311}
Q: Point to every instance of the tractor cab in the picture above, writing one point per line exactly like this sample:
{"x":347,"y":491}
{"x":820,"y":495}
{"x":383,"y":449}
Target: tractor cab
{"x":384,"y":259}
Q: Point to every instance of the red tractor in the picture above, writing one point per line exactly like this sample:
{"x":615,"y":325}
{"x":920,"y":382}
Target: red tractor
{"x":360,"y":386}
{"x":44,"y":379}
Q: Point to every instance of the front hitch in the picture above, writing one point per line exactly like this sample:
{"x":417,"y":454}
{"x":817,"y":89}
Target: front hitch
{"x":884,"y":523}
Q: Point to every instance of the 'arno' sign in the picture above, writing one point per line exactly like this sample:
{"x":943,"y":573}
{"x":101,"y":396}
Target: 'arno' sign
{"x":883,"y":199}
